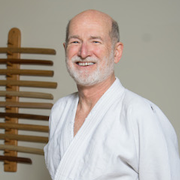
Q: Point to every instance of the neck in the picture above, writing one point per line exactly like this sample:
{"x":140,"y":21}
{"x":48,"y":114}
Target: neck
{"x":89,"y":95}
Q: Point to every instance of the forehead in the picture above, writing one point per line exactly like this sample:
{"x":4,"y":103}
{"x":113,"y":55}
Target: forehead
{"x":90,"y":25}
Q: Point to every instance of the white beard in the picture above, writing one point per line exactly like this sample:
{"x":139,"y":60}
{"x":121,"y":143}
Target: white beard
{"x":85,"y":78}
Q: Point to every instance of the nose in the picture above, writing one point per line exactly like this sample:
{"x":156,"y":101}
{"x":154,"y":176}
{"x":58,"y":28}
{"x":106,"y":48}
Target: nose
{"x":84,"y":51}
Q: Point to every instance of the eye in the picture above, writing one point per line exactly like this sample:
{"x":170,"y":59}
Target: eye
{"x":96,"y":42}
{"x":74,"y":42}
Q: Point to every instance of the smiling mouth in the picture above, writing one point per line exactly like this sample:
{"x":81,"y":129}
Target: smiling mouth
{"x":85,"y":63}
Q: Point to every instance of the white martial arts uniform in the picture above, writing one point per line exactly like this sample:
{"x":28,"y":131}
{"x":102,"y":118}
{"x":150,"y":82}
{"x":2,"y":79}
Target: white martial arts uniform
{"x":124,"y":137}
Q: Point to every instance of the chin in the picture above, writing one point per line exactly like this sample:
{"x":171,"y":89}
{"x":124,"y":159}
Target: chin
{"x":93,"y":78}
{"x":91,"y":81}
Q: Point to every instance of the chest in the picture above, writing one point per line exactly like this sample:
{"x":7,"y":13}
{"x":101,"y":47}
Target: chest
{"x":79,"y":120}
{"x":103,"y":148}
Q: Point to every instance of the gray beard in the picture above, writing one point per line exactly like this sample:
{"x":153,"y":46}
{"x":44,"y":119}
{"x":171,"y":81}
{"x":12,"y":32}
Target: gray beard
{"x":84,"y":78}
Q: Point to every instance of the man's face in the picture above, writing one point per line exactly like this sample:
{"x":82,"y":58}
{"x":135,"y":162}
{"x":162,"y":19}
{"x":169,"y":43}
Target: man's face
{"x":89,"y":52}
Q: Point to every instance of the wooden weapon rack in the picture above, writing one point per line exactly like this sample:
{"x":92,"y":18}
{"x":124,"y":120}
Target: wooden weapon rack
{"x":12,"y":102}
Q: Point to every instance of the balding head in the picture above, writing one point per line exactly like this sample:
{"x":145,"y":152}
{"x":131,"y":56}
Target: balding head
{"x":96,"y":16}
{"x":92,"y":48}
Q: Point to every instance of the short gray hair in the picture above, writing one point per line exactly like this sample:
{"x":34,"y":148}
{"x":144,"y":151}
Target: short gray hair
{"x":114,"y":33}
{"x":67,"y":32}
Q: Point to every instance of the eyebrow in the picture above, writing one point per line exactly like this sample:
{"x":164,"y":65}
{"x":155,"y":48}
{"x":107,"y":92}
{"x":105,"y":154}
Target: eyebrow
{"x":77,"y":37}
{"x":95,"y":37}
{"x":73,"y":37}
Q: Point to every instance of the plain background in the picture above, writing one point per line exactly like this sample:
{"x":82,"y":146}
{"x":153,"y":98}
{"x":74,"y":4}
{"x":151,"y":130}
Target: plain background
{"x":150,"y":31}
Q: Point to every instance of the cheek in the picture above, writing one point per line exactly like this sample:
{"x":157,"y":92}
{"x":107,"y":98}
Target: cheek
{"x":69,"y":64}
{"x":99,"y":53}
{"x":72,"y":51}
{"x":102,"y":52}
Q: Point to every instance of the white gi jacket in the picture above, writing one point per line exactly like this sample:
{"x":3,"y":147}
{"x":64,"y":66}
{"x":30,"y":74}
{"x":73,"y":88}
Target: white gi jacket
{"x":124,"y":137}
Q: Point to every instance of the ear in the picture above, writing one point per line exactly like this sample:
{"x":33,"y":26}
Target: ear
{"x":118,"y":49}
{"x":64,"y":44}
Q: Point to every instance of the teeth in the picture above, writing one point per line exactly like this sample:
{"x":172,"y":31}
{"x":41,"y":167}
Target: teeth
{"x":85,"y":63}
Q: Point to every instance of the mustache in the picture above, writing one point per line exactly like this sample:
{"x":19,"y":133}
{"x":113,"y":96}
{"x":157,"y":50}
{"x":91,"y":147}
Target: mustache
{"x":88,"y":59}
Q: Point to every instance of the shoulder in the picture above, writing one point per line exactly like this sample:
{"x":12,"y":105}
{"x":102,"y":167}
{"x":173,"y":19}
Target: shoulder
{"x":142,"y":111}
{"x":59,"y":108}
{"x":145,"y":116}
{"x":137,"y":103}
{"x":62,"y":102}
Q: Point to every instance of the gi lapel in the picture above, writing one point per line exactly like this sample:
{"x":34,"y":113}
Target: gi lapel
{"x":95,"y":116}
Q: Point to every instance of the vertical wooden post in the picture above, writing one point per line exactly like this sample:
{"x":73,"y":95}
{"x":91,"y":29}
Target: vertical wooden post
{"x":14,"y":40}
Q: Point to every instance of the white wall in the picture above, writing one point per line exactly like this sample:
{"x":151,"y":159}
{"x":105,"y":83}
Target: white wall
{"x":149,"y":66}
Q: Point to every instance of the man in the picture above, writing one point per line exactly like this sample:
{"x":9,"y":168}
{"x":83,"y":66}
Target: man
{"x":104,"y":131}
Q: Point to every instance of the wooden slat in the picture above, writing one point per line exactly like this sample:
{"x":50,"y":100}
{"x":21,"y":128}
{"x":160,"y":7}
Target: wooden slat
{"x":24,"y":116}
{"x":27,"y":50}
{"x":16,"y":159}
{"x":40,"y":84}
{"x":27,"y":127}
{"x":26,"y":72}
{"x":26,"y":138}
{"x":27,"y":105}
{"x":22,"y":149}
{"x":26,"y":61}
{"x":27,"y":94}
